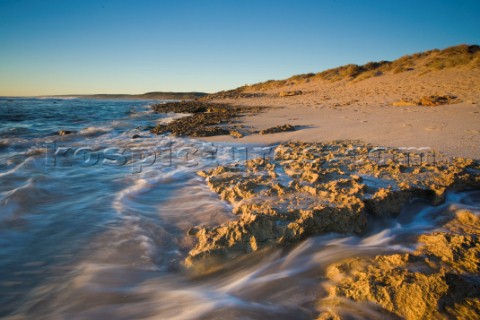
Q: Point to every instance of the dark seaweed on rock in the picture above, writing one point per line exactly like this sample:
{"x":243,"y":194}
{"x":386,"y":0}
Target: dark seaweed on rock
{"x":206,"y":119}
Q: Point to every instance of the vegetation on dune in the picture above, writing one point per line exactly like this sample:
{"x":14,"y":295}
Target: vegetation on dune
{"x":353,"y":71}
{"x":454,"y":56}
{"x":461,"y":55}
{"x":428,"y":101}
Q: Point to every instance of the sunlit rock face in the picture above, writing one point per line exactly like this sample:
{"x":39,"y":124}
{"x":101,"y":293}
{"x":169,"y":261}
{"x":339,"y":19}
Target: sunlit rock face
{"x":312,"y":188}
{"x":438,"y":280}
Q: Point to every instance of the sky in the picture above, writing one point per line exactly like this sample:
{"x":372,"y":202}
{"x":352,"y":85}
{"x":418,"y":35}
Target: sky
{"x":52,"y":47}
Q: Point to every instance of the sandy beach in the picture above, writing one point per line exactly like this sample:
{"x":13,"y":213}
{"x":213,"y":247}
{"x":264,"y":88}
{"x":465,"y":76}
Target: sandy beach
{"x":364,"y":110}
{"x":203,"y":160}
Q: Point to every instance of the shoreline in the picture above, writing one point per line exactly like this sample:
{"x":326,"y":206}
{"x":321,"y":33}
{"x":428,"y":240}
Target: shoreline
{"x":380,"y":110}
{"x":394,"y":127}
{"x":310,"y":190}
{"x":452,"y":130}
{"x":299,"y":222}
{"x":307,"y":189}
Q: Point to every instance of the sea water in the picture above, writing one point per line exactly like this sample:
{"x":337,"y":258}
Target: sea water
{"x":93,"y":224}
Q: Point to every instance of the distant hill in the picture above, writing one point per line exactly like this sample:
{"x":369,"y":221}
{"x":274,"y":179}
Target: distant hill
{"x":462,"y":57}
{"x":147,"y":96}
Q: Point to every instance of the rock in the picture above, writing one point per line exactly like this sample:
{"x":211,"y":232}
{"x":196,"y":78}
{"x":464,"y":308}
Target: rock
{"x":280,"y":128}
{"x":193,"y":231}
{"x":207,"y":119}
{"x":210,"y":131}
{"x":386,"y":203}
{"x":432,"y":101}
{"x":313,"y":188}
{"x":439,"y":280}
{"x":236,"y":134}
{"x":63,"y":132}
{"x":136,"y":136}
{"x":289,"y":93}
{"x":429,"y":101}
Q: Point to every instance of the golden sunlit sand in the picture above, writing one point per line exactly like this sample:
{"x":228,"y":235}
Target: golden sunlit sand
{"x":364,"y":108}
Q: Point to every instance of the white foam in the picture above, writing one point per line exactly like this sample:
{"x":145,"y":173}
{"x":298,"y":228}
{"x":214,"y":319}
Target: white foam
{"x":140,"y":185}
{"x":94,"y":131}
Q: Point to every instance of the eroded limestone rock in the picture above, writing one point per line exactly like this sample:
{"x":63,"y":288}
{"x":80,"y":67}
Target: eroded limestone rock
{"x":441,"y":279}
{"x":313,"y":188}
{"x":277,"y":129}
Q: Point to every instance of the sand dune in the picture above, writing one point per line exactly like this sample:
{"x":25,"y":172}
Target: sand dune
{"x":361,"y":107}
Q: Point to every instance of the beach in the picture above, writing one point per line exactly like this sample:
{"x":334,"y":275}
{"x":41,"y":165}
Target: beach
{"x":307,"y":198}
{"x":253,"y":160}
{"x":364,"y":111}
{"x":352,"y":156}
{"x":161,"y":225}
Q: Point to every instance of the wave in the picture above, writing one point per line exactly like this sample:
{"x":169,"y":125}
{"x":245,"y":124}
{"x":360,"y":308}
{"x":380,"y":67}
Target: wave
{"x":17,"y":132}
{"x":94,"y":131}
{"x":56,"y":98}
{"x":11,"y":201}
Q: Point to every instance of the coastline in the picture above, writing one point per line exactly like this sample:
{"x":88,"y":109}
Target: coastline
{"x":217,"y":160}
{"x":365,"y":110}
{"x":308,"y":190}
{"x":309,"y":204}
{"x":450,"y":129}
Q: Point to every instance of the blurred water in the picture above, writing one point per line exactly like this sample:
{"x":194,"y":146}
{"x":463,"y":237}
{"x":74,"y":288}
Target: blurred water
{"x":89,"y":235}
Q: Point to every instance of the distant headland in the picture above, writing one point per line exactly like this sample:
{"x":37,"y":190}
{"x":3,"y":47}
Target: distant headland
{"x":156,"y":95}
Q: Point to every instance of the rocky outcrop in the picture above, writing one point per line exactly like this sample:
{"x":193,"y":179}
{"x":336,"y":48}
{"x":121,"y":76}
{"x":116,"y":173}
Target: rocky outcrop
{"x":236,"y":133}
{"x":428,"y":101}
{"x":280,"y":128}
{"x":233,"y":94}
{"x":290,"y":93}
{"x":432,"y":101}
{"x":441,"y":279}
{"x":309,"y":189}
{"x":206,"y":119}
{"x":63,"y":132}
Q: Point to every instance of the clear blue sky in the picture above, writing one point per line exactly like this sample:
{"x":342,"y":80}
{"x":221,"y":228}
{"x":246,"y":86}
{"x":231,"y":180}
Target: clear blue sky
{"x":135,"y":46}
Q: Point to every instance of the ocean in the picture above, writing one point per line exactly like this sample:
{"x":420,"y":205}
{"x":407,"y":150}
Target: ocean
{"x":93,"y":223}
